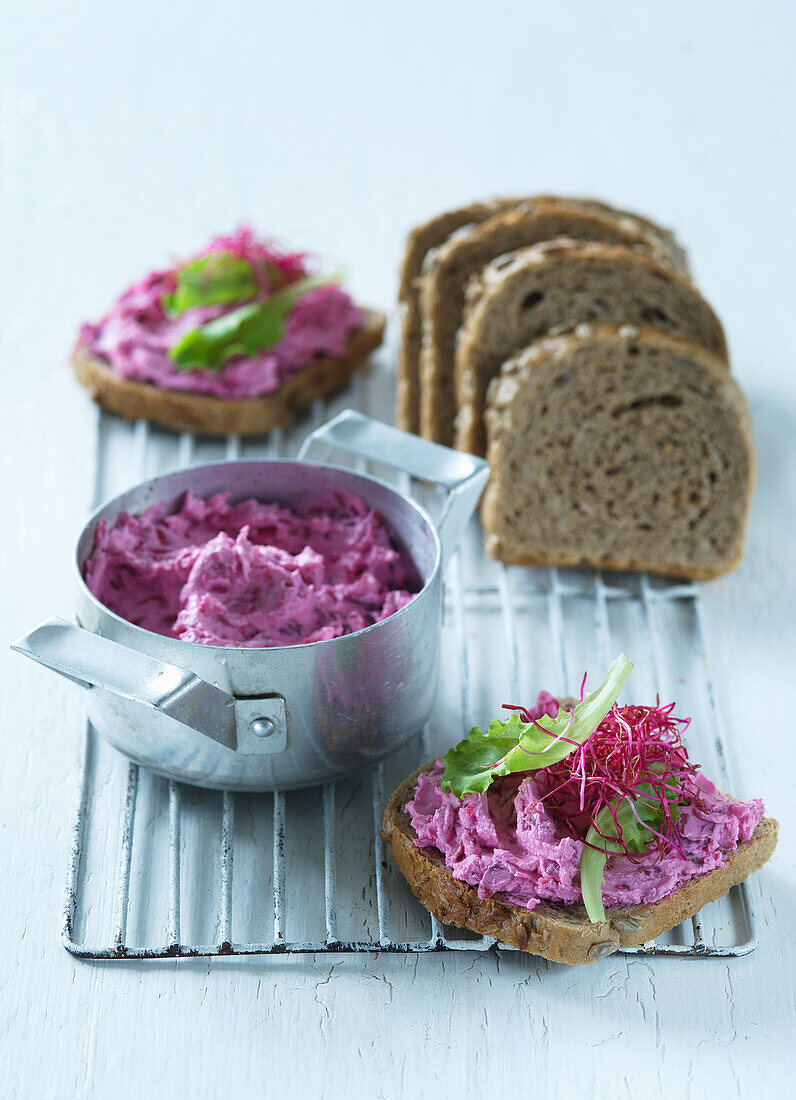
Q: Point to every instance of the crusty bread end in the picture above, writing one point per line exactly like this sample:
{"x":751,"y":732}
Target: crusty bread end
{"x":561,"y":933}
{"x":192,"y":412}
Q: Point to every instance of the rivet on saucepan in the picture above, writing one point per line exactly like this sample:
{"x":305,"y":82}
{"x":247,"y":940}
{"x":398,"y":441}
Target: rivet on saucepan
{"x":262,"y":727}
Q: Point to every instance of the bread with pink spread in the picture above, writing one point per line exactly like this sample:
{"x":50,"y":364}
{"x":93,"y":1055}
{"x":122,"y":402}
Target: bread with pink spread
{"x":208,"y":415}
{"x":560,"y":933}
{"x":573,"y":827}
{"x":232,"y":340}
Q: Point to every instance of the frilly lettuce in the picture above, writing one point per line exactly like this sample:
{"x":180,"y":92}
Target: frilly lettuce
{"x":517,"y":746}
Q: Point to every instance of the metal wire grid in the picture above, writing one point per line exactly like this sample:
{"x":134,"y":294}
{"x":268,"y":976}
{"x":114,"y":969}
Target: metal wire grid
{"x":555,"y":589}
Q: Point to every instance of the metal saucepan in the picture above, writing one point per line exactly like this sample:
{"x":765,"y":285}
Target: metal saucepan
{"x":292,"y":716}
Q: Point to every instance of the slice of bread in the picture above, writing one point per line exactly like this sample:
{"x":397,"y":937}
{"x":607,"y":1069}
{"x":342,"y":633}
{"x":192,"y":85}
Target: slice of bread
{"x":422,"y":240}
{"x":620,"y":448}
{"x":561,"y":933}
{"x":192,"y":412}
{"x":555,"y":286}
{"x":464,"y":254}
{"x":664,"y":239}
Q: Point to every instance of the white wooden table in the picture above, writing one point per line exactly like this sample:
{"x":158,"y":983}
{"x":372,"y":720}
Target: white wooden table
{"x":128,"y":137}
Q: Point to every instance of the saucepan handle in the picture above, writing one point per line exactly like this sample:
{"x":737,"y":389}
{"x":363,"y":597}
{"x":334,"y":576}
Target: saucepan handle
{"x":463,"y":475}
{"x":93,"y":661}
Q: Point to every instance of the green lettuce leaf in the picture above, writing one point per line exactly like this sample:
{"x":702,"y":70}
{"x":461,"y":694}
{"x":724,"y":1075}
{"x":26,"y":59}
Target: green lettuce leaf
{"x":244,"y":331}
{"x":217,"y":279}
{"x":635,"y":817}
{"x":517,"y":746}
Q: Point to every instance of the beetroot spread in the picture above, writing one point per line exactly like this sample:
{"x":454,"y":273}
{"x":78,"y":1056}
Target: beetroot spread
{"x":135,"y":337}
{"x":508,"y":842}
{"x":251,"y":574}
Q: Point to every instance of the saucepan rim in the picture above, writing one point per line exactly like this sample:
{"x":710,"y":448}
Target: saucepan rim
{"x":94,"y":518}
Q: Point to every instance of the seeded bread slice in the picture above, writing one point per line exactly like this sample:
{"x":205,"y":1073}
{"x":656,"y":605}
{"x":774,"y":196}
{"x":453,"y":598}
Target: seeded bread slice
{"x":465,"y":253}
{"x":191,"y":412}
{"x":664,"y":240}
{"x":561,"y":933}
{"x":421,"y":242}
{"x":620,"y":448}
{"x":552,"y":287}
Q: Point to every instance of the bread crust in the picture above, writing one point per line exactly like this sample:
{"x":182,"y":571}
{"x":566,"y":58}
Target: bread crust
{"x":498,"y":552}
{"x":560,"y":933}
{"x":207,"y":415}
{"x":499,"y":405}
{"x":666,"y":240}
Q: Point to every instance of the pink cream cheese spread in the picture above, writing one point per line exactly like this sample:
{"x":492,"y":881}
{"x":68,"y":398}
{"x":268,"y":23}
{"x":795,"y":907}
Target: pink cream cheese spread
{"x":251,"y":574}
{"x":506,"y":842}
{"x":135,"y":336}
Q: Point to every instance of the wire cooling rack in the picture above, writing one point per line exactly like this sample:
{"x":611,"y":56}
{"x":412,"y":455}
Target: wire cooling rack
{"x":160,"y":870}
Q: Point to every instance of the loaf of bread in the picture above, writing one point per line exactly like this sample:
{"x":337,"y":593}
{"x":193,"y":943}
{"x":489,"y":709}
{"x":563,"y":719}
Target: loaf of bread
{"x":561,"y":933}
{"x":463,"y":255}
{"x":618,"y":447}
{"x":553,"y":287}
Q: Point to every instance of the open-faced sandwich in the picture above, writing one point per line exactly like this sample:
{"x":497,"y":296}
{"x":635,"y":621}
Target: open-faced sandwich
{"x":233,"y":340}
{"x":574,"y":828}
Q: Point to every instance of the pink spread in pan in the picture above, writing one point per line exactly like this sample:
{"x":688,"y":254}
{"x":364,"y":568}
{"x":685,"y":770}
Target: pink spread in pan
{"x":251,"y":574}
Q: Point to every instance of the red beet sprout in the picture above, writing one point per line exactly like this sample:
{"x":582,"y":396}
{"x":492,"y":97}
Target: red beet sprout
{"x":635,"y":753}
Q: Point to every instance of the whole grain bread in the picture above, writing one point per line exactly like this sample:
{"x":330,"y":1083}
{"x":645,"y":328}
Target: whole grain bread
{"x":561,"y":933}
{"x":664,"y":239}
{"x":465,"y":253}
{"x":622,"y":448}
{"x":420,"y":243}
{"x":553,"y":287}
{"x":191,"y":412}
